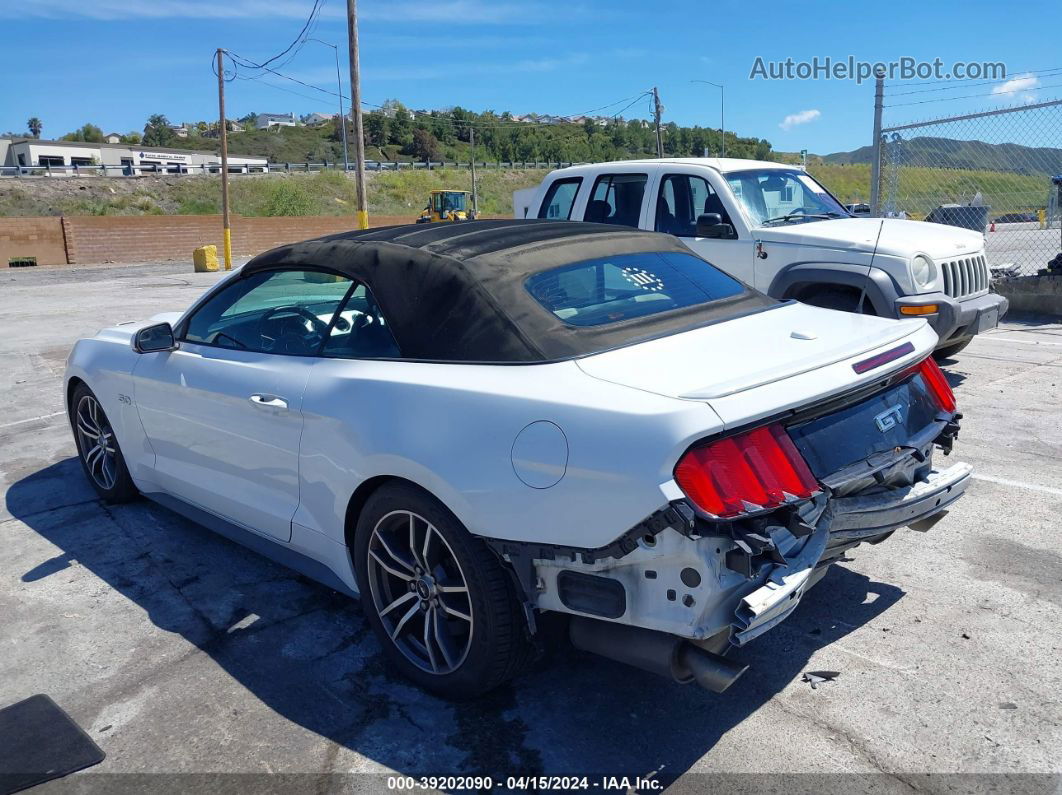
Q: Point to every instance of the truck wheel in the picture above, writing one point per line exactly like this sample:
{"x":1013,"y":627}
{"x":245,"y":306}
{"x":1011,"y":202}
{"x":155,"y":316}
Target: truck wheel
{"x":841,"y":300}
{"x":947,"y":351}
{"x":440,"y":602}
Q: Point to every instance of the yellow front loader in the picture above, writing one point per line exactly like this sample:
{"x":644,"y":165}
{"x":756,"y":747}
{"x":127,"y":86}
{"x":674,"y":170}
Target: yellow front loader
{"x":448,"y":205}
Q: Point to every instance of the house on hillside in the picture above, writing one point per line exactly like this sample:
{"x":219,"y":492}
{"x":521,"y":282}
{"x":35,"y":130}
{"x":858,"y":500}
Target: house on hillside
{"x":315,"y":119}
{"x":180,"y":130}
{"x":266,"y":120}
{"x":112,"y":138}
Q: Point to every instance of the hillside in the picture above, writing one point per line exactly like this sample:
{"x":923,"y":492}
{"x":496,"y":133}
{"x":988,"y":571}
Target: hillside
{"x":947,"y":153}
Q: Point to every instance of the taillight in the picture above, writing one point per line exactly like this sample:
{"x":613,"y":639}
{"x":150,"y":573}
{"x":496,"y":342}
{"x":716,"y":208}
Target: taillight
{"x":938,"y":384}
{"x":743,"y":473}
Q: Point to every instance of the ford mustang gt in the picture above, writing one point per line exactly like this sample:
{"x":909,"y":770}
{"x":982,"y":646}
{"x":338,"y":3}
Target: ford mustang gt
{"x":469,"y":426}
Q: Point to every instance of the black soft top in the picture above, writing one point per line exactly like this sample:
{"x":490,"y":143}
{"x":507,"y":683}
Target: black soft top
{"x":455,"y":292}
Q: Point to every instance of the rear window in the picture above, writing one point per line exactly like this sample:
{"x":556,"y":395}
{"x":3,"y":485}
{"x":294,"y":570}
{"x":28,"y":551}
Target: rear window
{"x":597,"y":292}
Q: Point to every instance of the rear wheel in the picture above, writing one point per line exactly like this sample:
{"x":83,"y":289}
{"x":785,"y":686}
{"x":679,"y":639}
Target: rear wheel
{"x":98,"y":449}
{"x":947,"y":351}
{"x":441,"y":603}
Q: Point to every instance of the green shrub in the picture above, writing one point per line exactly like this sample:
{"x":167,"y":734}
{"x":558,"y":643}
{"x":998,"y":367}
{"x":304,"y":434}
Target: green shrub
{"x":288,"y":197}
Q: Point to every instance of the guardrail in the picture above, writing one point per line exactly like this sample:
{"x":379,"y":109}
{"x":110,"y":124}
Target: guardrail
{"x":167,"y":170}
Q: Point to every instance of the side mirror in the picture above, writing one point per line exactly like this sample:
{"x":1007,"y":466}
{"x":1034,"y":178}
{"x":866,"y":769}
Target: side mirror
{"x":711,"y":225}
{"x":152,"y":339}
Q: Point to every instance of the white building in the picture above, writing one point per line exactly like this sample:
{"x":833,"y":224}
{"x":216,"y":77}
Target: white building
{"x":313,"y":119}
{"x":62,"y":158}
{"x":266,"y":120}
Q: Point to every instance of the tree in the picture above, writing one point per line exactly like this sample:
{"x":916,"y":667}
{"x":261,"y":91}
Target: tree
{"x":425,"y":145}
{"x":157,"y":131}
{"x":88,"y":132}
{"x":401,"y":127}
{"x":130,"y":138}
{"x":35,"y":125}
{"x":375,"y":126}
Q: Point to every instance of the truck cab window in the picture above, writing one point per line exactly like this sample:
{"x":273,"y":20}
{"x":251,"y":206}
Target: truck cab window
{"x":559,"y":199}
{"x":617,"y":199}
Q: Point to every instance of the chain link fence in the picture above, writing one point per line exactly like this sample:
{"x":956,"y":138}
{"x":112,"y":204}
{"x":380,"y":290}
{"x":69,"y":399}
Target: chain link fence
{"x":997,"y":172}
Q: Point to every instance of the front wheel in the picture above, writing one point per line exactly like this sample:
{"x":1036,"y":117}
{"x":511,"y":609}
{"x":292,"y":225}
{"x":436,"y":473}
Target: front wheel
{"x":439,"y":600}
{"x":98,"y":449}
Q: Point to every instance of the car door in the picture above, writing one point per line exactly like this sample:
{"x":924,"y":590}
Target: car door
{"x":681,"y":197}
{"x":223,"y":412}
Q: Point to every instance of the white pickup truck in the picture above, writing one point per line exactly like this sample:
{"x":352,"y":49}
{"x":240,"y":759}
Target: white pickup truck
{"x":774,"y":227}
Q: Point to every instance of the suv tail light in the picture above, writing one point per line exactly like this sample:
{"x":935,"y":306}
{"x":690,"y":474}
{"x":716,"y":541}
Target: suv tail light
{"x":744,"y":473}
{"x":938,"y":384}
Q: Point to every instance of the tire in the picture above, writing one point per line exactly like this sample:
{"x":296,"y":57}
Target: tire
{"x":456,"y":644}
{"x":97,"y":448}
{"x":947,"y":351}
{"x":841,"y":300}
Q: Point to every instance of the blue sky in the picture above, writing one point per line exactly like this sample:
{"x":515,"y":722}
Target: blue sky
{"x":114,"y":62}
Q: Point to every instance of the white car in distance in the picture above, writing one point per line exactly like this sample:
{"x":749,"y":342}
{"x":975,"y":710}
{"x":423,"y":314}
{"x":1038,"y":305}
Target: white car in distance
{"x":776,"y":228}
{"x":472,"y":424}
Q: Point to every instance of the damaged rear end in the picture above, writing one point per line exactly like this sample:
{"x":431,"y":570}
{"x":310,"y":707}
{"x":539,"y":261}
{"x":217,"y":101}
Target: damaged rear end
{"x":758,"y":513}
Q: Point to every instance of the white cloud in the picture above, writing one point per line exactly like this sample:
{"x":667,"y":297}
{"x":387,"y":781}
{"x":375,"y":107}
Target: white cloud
{"x":795,"y":119}
{"x":1019,"y":87}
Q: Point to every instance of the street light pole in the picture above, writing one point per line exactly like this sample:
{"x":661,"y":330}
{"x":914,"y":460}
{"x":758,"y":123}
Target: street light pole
{"x":722,"y":120}
{"x":342,"y":115}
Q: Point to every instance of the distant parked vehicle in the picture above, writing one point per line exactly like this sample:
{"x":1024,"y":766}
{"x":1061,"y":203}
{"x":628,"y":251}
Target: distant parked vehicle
{"x":858,"y":210}
{"x":776,"y":228}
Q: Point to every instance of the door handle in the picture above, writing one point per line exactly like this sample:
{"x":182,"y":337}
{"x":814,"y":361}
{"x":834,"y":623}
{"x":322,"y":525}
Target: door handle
{"x":269,"y":401}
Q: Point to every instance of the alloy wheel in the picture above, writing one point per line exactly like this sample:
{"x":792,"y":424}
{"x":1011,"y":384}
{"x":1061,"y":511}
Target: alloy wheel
{"x":420,"y":592}
{"x":96,"y":442}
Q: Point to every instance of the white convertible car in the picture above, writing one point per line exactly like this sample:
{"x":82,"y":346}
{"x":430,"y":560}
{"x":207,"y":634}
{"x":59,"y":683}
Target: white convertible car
{"x":473,"y":424}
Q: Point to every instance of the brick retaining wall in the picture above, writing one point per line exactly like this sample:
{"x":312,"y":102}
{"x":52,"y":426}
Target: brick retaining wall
{"x":32,"y":237}
{"x":83,"y":240}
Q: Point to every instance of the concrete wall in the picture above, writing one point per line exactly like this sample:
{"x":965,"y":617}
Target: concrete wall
{"x":1040,"y":294}
{"x":32,"y":237}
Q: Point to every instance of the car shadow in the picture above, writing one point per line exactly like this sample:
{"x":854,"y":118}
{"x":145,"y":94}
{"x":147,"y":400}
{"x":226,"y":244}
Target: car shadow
{"x":307,"y":653}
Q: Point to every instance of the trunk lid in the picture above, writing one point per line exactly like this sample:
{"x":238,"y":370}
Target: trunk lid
{"x":764,"y":363}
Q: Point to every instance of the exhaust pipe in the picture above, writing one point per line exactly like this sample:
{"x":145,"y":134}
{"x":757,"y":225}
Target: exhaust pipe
{"x":655,"y":652}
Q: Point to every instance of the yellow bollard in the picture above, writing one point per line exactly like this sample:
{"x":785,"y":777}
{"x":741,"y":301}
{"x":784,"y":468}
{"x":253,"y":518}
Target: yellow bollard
{"x":205,"y":259}
{"x":1043,"y":218}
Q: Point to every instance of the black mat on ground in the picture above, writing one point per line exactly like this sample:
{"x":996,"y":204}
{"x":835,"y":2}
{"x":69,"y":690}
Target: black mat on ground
{"x":39,"y":742}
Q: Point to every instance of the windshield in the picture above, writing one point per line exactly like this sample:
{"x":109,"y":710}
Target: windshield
{"x":774,"y":196}
{"x":450,"y":202}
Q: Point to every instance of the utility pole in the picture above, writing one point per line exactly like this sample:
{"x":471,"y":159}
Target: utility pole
{"x":657,"y":110}
{"x":875,"y":166}
{"x":223,"y":130}
{"x":362,"y":217}
{"x":475,"y":195}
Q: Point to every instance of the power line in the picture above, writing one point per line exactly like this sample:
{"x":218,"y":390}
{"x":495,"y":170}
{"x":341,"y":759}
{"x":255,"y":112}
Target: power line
{"x":975,"y":96}
{"x":298,"y":39}
{"x":962,"y":84}
{"x":1013,"y":72}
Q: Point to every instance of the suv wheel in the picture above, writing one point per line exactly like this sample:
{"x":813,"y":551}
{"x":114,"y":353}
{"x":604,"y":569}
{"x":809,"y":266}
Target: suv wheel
{"x":439,"y":600}
{"x":947,"y":351}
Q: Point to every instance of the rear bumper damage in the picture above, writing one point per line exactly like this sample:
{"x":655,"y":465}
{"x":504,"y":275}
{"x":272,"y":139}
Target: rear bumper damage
{"x":682,"y":578}
{"x":845,"y":522}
